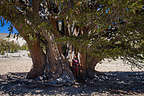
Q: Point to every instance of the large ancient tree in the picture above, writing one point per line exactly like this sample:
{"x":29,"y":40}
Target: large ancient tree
{"x":93,"y":29}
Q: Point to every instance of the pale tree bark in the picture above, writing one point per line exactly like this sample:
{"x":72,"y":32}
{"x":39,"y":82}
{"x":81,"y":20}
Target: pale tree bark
{"x":57,"y":65}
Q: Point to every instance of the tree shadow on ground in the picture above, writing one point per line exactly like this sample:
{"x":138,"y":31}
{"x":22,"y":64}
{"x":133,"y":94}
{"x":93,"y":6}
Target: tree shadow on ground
{"x":107,"y":83}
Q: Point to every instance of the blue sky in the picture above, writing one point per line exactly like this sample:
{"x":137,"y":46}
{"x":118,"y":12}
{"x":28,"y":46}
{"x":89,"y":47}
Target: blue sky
{"x":4,"y":29}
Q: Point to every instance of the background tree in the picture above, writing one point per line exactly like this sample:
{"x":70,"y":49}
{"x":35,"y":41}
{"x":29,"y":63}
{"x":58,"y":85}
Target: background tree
{"x":94,"y":29}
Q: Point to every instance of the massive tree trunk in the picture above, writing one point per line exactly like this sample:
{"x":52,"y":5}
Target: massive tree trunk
{"x":52,"y":63}
{"x":83,"y":63}
{"x":36,"y":52}
{"x":38,"y":59}
{"x":91,"y":63}
{"x":57,"y":66}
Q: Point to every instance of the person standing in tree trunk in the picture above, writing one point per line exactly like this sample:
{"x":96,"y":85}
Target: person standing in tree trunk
{"x":76,"y":67}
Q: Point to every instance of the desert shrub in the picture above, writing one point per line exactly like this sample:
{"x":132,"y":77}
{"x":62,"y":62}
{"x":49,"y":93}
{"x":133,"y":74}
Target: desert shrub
{"x":29,"y":55}
{"x":24,"y":47}
{"x":8,"y":46}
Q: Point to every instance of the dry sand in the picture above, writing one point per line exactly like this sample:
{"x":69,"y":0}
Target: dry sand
{"x":20,"y":62}
{"x":15,"y":62}
{"x":116,"y":65}
{"x":14,"y":84}
{"x":15,"y":65}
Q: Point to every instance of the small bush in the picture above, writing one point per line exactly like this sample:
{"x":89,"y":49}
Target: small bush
{"x":24,"y":47}
{"x":8,"y":46}
{"x":29,"y":55}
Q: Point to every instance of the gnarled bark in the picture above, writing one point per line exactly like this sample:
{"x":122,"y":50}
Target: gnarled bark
{"x":92,"y":62}
{"x":57,"y":66}
{"x":53,"y":64}
{"x":36,"y":52}
{"x":38,"y":59}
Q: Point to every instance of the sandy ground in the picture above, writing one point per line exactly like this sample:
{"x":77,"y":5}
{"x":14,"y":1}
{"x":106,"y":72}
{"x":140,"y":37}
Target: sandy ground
{"x":20,"y":62}
{"x":110,"y":84}
{"x":116,"y":65}
{"x":15,"y":65}
{"x":15,"y":62}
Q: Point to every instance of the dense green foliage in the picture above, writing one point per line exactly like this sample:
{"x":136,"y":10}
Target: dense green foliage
{"x":112,"y":28}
